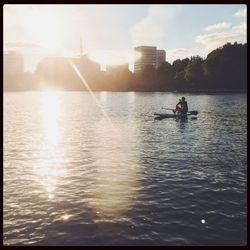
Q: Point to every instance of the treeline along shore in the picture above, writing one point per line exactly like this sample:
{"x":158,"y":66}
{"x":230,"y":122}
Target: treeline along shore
{"x":223,"y":70}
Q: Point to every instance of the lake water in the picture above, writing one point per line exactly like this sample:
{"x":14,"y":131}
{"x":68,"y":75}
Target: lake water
{"x":82,"y":169}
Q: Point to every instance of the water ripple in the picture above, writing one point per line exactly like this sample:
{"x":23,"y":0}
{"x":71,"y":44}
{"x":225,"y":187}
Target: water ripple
{"x":71,"y":178}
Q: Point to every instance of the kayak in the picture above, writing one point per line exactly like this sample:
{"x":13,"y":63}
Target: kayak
{"x":160,"y":116}
{"x":165,"y":115}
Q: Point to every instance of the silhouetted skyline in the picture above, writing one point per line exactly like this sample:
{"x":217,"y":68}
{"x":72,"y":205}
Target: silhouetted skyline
{"x":224,"y":69}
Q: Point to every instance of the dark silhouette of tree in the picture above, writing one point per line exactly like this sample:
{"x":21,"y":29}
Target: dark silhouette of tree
{"x":179,"y":65}
{"x":194,"y":72}
{"x":165,"y":76}
{"x":226,"y":67}
{"x":145,"y":80}
{"x":180,"y":82}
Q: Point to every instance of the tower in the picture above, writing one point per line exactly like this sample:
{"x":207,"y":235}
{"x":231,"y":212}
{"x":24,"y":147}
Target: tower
{"x":81,"y":45}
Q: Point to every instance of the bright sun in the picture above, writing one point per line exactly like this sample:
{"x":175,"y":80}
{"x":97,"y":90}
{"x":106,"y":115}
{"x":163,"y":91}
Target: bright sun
{"x":46,"y":26}
{"x":102,"y":57}
{"x":45,"y":29}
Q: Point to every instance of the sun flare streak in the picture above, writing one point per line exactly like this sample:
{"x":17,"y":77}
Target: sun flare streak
{"x":91,"y":92}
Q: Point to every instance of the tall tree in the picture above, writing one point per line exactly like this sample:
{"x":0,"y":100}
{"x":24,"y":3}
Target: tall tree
{"x":165,"y":76}
{"x":226,"y":67}
{"x":194,"y":73}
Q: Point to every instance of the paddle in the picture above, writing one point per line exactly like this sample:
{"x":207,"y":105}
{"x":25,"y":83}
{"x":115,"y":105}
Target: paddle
{"x":167,"y":108}
{"x":193,"y":112}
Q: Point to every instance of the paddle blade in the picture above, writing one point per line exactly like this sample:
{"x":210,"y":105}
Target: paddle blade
{"x":193,"y":112}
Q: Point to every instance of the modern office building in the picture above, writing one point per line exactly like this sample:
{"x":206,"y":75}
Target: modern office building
{"x":145,"y":55}
{"x":148,"y":55}
{"x":161,"y":58}
{"x":13,"y":63}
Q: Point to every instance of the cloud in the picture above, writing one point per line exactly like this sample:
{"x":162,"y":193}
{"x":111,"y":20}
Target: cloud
{"x":241,"y":28}
{"x":153,"y":28}
{"x":241,"y":13}
{"x":177,"y":53}
{"x":223,"y":25}
{"x":211,"y":41}
{"x":217,"y":39}
{"x":22,"y":45}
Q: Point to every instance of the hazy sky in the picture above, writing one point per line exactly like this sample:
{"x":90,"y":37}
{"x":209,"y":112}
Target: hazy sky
{"x":110,"y":32}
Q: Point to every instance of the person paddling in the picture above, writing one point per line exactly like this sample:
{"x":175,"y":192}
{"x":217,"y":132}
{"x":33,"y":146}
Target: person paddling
{"x":181,"y":107}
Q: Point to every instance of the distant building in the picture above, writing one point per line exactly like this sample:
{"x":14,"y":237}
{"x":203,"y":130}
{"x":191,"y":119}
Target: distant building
{"x":116,"y":69}
{"x":161,"y":58}
{"x":13,"y":63}
{"x":59,"y":69}
{"x":147,"y":56}
{"x":86,"y":65}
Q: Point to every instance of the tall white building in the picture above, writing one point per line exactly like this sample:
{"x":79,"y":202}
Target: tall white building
{"x":161,"y":58}
{"x":13,"y":63}
{"x":148,"y":55}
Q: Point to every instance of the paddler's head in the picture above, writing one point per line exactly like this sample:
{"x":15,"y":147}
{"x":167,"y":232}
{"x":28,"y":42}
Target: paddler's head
{"x":183,"y":98}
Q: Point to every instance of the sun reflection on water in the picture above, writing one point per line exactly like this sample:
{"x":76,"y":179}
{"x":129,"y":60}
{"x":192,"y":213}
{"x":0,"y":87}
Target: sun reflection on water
{"x":49,"y":169}
{"x":51,"y":112}
{"x":66,"y":217}
{"x":116,"y":179}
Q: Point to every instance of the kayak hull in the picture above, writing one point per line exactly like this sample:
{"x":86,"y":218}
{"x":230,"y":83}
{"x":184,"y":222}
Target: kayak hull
{"x":160,"y":116}
{"x":193,"y":114}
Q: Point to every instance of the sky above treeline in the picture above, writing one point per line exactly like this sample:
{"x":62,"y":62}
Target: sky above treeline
{"x":110,"y":32}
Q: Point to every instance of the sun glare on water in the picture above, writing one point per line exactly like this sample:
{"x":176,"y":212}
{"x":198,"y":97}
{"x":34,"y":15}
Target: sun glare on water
{"x":51,"y":112}
{"x":49,"y":169}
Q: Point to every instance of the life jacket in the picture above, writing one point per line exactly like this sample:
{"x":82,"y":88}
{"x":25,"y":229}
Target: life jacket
{"x":184,"y":106}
